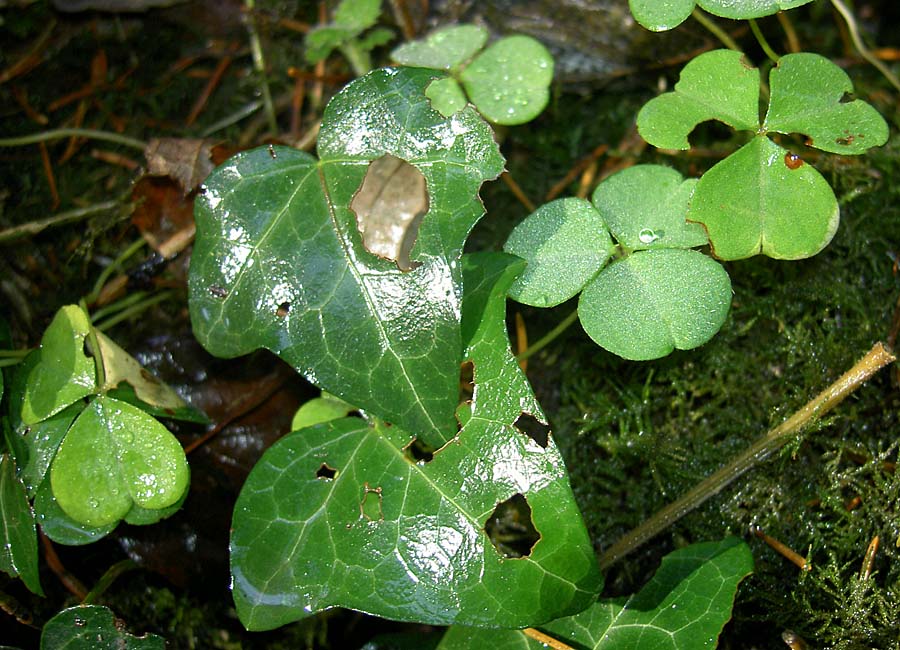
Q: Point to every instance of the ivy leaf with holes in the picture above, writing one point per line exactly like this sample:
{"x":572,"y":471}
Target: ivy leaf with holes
{"x":340,"y":514}
{"x":280,"y":262}
{"x":764,"y":198}
{"x":92,"y":627}
{"x":660,"y":16}
{"x":683,"y":607}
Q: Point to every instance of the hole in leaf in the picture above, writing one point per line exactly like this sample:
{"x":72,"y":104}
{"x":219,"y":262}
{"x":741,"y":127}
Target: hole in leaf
{"x":419,"y":452}
{"x":283,"y":309}
{"x":370,"y":506}
{"x":326,"y":472}
{"x":511,"y":529}
{"x":466,"y":381}
{"x":534,"y":429}
{"x":389,"y":208}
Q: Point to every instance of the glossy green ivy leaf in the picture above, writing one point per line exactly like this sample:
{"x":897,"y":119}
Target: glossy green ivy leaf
{"x":18,"y":536}
{"x":446,"y":95}
{"x":763,"y":199}
{"x":63,"y":374}
{"x":510,"y":81}
{"x":660,"y":15}
{"x":59,"y":526}
{"x":645,"y":206}
{"x":651,"y":302}
{"x":42,"y":440}
{"x":717,"y":85}
{"x":92,"y":627}
{"x":319,"y":410}
{"x":444,"y":48}
{"x":808,"y":96}
{"x":565,"y":243}
{"x":114,"y":456}
{"x":683,"y":607}
{"x":743,"y":9}
{"x":351,"y":18}
{"x":339,"y":515}
{"x":279,"y":261}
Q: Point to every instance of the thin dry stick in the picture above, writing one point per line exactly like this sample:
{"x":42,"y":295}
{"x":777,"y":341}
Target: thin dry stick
{"x":548,"y":641}
{"x":517,"y":191}
{"x":878,"y":357}
{"x":784,"y":550}
{"x":789,"y":31}
{"x":69,"y":581}
{"x":860,"y":47}
{"x":207,"y":92}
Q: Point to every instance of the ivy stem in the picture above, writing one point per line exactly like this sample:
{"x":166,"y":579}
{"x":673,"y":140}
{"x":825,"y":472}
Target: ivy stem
{"x":860,"y":47}
{"x":763,"y":43}
{"x":106,"y":580}
{"x":715,"y":30}
{"x":259,"y":65}
{"x":878,"y":357}
{"x":56,"y":134}
{"x":549,"y":337}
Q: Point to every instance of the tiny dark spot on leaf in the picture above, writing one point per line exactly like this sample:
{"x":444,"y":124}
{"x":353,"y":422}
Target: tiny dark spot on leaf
{"x":534,"y":429}
{"x":845,"y":141}
{"x":511,"y":529}
{"x":847,"y":97}
{"x":283,"y":309}
{"x":150,"y":379}
{"x":326,"y":472}
{"x":272,"y":152}
{"x":218,"y":292}
{"x":419,"y":452}
{"x":792,"y":161}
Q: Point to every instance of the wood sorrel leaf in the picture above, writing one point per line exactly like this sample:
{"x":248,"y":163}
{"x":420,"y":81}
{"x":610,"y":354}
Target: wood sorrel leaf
{"x":509,"y":82}
{"x":808,"y":96}
{"x":279,"y":261}
{"x":92,"y":627}
{"x":42,"y":440}
{"x":63,"y":374}
{"x":645,"y":206}
{"x":764,"y":199}
{"x":446,"y":95}
{"x":18,"y":536}
{"x":320,"y":409}
{"x":114,"y":456}
{"x":339,"y":515}
{"x":444,"y":48}
{"x":59,"y":526}
{"x":659,"y":16}
{"x":683,"y":607}
{"x":743,"y":9}
{"x":645,"y":305}
{"x":718,"y":85}
{"x":565,"y":243}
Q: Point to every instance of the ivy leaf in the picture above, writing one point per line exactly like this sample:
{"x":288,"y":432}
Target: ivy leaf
{"x":651,"y":302}
{"x":763,"y":199}
{"x":683,"y":607}
{"x":444,"y":48}
{"x":743,"y":9}
{"x":92,"y":627}
{"x":807,"y":96}
{"x":279,"y":261}
{"x":645,"y":206}
{"x":59,"y":526}
{"x":114,"y":456}
{"x":62,"y":374}
{"x":18,"y":536}
{"x":510,"y":81}
{"x":565,"y":243}
{"x":339,"y":515}
{"x":659,"y":16}
{"x":717,"y":85}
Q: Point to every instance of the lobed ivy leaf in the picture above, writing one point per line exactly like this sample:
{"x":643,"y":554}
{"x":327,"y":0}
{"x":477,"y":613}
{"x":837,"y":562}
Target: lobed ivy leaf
{"x":115,"y":456}
{"x":683,"y":607}
{"x":717,"y":85}
{"x":92,"y":627}
{"x":59,"y":526}
{"x":645,"y":305}
{"x":764,"y":199}
{"x":340,"y":515}
{"x":808,"y":96}
{"x":18,"y":536}
{"x":279,"y":261}
{"x":444,"y":48}
{"x":565,"y":243}
{"x":661,"y":15}
{"x":645,"y":206}
{"x":61,"y":373}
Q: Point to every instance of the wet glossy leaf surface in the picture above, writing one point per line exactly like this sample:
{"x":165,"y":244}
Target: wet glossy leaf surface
{"x":645,"y":207}
{"x":761,"y":199}
{"x":446,"y":95}
{"x":62,"y":374}
{"x":808,"y":94}
{"x":443,"y":49}
{"x":93,"y":627}
{"x":651,"y":302}
{"x":742,"y":9}
{"x":509,"y":82}
{"x":384,"y":534}
{"x":660,"y":15}
{"x":59,"y":526}
{"x":683,"y":607}
{"x":18,"y":536}
{"x":114,"y":456}
{"x":43,"y":439}
{"x":319,"y":410}
{"x":279,"y":261}
{"x":717,"y":85}
{"x":565,"y":243}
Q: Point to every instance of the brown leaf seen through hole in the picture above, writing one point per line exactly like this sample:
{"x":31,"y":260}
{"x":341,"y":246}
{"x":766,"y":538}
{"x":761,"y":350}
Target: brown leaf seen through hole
{"x":187,"y":160}
{"x":389,"y":207}
{"x":511,"y":529}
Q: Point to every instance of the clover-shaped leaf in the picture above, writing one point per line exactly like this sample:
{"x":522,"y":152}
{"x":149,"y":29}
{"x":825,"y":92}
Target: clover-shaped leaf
{"x":59,"y":526}
{"x":743,"y":9}
{"x":660,"y":15}
{"x":92,"y":627}
{"x":651,"y":302}
{"x":340,"y":515}
{"x":351,"y":18}
{"x":280,"y":261}
{"x":565,"y":243}
{"x":114,"y":456}
{"x":444,"y":48}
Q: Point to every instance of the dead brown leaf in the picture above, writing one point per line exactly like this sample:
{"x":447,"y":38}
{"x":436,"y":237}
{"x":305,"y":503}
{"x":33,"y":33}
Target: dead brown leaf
{"x":187,"y":160}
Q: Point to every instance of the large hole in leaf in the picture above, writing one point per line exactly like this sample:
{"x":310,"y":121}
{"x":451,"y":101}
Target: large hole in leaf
{"x":370,"y":506}
{"x":326,"y":472}
{"x":418,"y":451}
{"x":389,"y":207}
{"x":511,"y":529}
{"x":534,"y":429}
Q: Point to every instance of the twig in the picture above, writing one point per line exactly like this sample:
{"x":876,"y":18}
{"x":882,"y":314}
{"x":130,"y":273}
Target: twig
{"x":35,"y":227}
{"x":521,"y":340}
{"x":548,"y":641}
{"x":573,"y":173}
{"x":789,"y":31}
{"x":517,"y":191}
{"x":31,"y":59}
{"x":784,"y":550}
{"x":208,"y":89}
{"x":860,"y":47}
{"x":51,"y":178}
{"x":56,"y":134}
{"x":877,"y":358}
{"x":69,"y":581}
